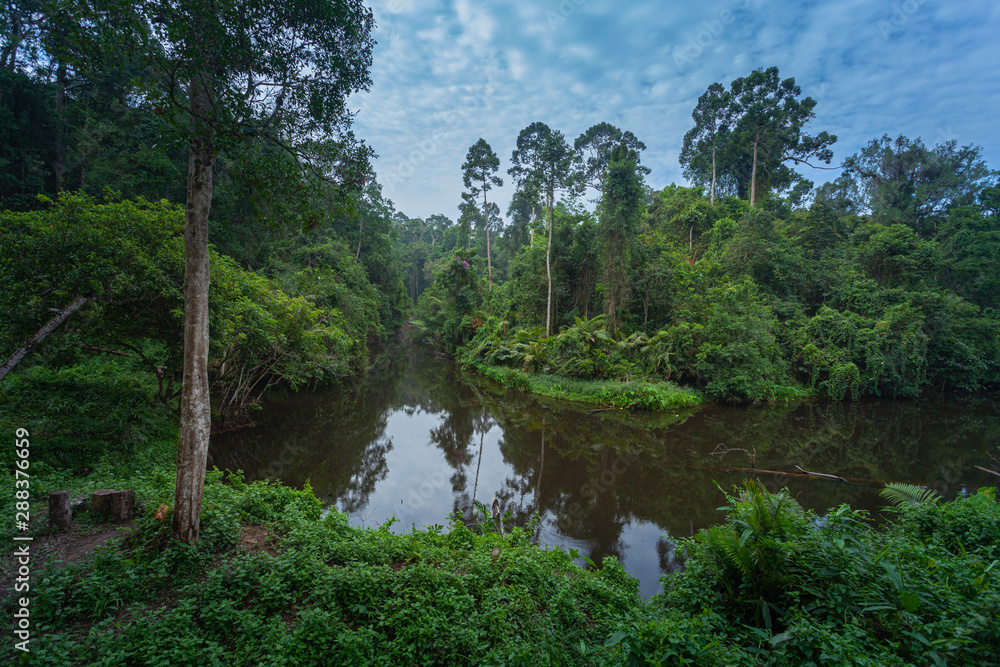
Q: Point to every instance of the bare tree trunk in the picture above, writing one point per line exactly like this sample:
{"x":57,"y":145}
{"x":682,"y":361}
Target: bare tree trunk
{"x":548,"y":272}
{"x":40,"y":335}
{"x":486,"y":218}
{"x":196,"y":413}
{"x":753,"y":173}
{"x":59,"y":163}
{"x":361,"y":223}
{"x":60,"y":514}
{"x":713,"y":175}
{"x":357,"y":255}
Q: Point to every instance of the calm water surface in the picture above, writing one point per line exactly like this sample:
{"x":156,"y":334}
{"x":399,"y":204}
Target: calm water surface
{"x":419,"y":440}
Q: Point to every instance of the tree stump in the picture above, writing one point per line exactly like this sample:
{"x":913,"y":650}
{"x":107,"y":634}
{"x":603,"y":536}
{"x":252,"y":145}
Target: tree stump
{"x":59,"y":511}
{"x":119,"y":505}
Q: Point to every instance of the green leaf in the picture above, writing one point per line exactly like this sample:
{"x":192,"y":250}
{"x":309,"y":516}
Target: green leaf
{"x":615,"y":638}
{"x":899,"y":493}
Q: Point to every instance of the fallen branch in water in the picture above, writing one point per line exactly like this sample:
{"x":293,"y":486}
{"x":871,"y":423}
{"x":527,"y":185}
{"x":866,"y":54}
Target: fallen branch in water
{"x":992,"y":472}
{"x":721,"y":450}
{"x":820,"y":474}
{"x":758,"y":471}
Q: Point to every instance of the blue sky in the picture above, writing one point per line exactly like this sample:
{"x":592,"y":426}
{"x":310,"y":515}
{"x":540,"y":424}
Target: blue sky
{"x":446,"y":73}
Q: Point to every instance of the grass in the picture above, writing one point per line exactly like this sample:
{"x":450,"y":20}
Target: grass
{"x":632,"y":395}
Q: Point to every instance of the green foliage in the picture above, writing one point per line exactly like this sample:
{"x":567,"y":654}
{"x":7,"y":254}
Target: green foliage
{"x":449,"y":307}
{"x":80,"y":413}
{"x":127,"y":258}
{"x":657,"y":396}
{"x":327,"y":593}
{"x":788,"y":587}
{"x":899,"y":493}
{"x":728,"y":339}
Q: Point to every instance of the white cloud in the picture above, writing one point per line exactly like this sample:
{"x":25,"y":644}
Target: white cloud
{"x":446,"y":74}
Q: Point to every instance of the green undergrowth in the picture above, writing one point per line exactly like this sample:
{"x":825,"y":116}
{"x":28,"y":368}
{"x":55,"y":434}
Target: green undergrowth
{"x":330,"y":594}
{"x":772,"y":584}
{"x":779,"y":585}
{"x":634,"y":394}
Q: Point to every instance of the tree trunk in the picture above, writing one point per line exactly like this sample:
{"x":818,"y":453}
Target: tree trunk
{"x":50,"y":326}
{"x":548,"y":272}
{"x":361,"y":222}
{"x":489,"y":260}
{"x":713,"y":175}
{"x":196,"y":413}
{"x":357,"y":255}
{"x":59,"y":163}
{"x":753,"y":172}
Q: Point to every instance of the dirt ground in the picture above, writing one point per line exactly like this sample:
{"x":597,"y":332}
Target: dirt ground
{"x":80,"y":539}
{"x":68,"y":546}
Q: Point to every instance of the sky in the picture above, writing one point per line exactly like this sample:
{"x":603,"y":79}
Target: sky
{"x":446,"y":73}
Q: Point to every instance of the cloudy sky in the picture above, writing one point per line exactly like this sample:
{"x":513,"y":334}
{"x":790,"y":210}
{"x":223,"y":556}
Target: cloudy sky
{"x":448,"y":72}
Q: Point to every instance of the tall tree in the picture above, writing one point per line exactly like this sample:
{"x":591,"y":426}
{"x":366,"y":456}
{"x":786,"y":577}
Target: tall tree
{"x":713,"y":118}
{"x":768,"y":123}
{"x":902,"y":181}
{"x":593,"y":153}
{"x":227,"y":73}
{"x":620,"y":210}
{"x":543,"y":161}
{"x":479,"y":176}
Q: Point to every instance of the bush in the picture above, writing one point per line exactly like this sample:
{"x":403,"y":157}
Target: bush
{"x":77,"y":415}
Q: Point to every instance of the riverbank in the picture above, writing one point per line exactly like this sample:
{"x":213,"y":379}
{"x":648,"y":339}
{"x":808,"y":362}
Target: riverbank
{"x":634,"y":395}
{"x":275,"y":582}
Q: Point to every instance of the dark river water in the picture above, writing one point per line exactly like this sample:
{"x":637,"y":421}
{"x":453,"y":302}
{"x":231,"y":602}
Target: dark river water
{"x":419,"y":440}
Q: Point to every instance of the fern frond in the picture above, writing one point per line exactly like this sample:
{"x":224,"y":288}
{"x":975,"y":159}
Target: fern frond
{"x":900,"y":493}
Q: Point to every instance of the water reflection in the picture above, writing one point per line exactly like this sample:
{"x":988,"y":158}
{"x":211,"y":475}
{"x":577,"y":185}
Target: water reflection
{"x":419,"y":441}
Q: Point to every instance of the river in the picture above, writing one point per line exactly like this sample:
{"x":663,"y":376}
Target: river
{"x":419,"y":439}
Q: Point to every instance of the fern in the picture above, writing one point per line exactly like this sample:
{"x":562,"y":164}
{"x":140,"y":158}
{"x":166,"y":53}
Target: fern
{"x":900,"y":493}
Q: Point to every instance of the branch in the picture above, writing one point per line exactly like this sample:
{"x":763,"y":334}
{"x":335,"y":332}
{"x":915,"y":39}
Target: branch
{"x":107,"y":351}
{"x":50,"y":326}
{"x":798,"y":160}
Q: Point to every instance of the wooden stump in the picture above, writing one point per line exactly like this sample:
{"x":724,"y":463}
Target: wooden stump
{"x":59,"y":512}
{"x":119,"y":505}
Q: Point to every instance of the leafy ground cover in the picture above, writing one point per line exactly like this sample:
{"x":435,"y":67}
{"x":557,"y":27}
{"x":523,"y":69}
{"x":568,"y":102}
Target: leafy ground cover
{"x":635,"y":394}
{"x":276,"y":581}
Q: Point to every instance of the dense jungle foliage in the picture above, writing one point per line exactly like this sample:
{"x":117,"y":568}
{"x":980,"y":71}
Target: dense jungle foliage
{"x":883,"y":282}
{"x":750,"y":286}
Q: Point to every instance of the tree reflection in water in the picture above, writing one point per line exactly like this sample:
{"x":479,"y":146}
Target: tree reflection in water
{"x":608,"y":483}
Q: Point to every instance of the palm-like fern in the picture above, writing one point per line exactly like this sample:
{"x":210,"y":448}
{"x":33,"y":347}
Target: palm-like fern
{"x":900,"y":493}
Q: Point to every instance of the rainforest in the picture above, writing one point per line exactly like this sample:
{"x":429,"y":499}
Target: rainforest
{"x":585,"y":414}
